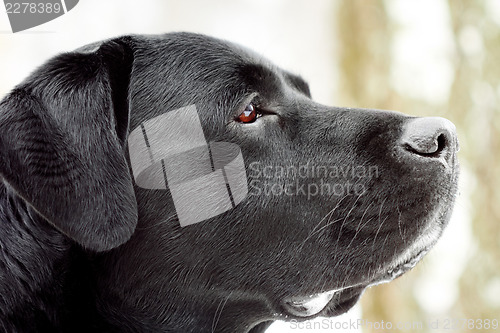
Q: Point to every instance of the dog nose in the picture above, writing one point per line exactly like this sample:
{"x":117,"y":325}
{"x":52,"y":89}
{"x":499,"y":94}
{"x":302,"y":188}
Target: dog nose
{"x":431,"y":137}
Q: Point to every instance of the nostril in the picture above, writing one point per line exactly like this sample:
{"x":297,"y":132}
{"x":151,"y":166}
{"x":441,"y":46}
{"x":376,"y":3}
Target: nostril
{"x":429,"y":148}
{"x":430,"y":136}
{"x":442,"y":142}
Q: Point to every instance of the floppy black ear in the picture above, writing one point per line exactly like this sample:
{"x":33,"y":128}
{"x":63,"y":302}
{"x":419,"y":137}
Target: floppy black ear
{"x":62,"y":144}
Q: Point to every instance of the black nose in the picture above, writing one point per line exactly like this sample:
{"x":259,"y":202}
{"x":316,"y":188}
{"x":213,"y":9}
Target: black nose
{"x":432,"y":137}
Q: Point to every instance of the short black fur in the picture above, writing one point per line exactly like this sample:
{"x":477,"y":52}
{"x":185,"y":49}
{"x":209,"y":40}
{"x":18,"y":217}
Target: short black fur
{"x":83,"y":249}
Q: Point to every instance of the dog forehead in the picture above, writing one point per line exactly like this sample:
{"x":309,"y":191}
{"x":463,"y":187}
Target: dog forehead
{"x":193,"y":48}
{"x":200,"y":57}
{"x":171,"y":72}
{"x":219,"y":54}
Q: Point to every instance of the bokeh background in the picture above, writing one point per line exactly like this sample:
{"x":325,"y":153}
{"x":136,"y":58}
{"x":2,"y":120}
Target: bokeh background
{"x":425,"y":58}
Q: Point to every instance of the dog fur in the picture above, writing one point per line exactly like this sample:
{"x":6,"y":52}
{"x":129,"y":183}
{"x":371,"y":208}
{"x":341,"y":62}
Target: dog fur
{"x":83,"y":249}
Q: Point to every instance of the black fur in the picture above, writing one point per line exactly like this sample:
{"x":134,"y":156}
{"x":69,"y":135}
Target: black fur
{"x":82,"y":249}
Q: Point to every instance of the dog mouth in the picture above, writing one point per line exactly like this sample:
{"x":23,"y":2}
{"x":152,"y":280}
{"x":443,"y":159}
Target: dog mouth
{"x":330,"y":303}
{"x":310,"y":305}
{"x":338,"y":301}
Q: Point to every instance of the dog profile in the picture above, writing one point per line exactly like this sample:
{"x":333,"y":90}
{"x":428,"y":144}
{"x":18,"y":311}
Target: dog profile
{"x":322,"y":202}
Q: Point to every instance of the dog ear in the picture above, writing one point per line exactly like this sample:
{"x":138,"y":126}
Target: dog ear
{"x":63,"y":142}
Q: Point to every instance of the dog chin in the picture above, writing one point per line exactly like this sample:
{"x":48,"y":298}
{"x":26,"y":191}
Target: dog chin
{"x":338,"y":301}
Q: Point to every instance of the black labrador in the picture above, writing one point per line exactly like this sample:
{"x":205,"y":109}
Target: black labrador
{"x":331,"y":200}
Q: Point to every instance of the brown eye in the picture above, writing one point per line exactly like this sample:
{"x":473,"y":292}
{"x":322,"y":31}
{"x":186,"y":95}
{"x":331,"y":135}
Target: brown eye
{"x":249,"y":114}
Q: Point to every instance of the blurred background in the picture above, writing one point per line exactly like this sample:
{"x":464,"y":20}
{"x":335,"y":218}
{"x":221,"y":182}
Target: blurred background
{"x":424,"y":58}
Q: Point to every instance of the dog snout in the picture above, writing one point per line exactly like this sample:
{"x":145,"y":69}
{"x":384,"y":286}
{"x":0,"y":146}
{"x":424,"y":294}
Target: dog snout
{"x":430,"y":137}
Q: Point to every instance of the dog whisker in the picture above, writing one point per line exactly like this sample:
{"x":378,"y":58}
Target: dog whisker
{"x":345,"y":219}
{"x":329,"y":215}
{"x":399,"y":224}
{"x":380,"y":222}
{"x":360,"y":225}
{"x":218,"y":312}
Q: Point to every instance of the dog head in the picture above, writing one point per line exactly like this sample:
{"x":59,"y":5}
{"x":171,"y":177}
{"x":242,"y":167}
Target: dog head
{"x":322,"y":202}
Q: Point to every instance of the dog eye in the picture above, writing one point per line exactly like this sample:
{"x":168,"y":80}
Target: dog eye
{"x":249,"y":115}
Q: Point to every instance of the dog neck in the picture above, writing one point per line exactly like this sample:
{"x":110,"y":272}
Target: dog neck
{"x":193,"y":313}
{"x":37,"y":270}
{"x":47,"y":283}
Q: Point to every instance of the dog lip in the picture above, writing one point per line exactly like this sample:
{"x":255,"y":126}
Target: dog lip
{"x":409,"y":263}
{"x":399,"y":269}
{"x":344,"y":301}
{"x":306,"y":306}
